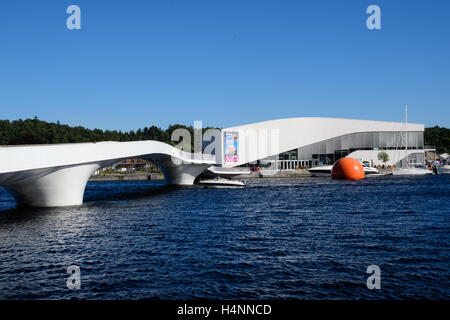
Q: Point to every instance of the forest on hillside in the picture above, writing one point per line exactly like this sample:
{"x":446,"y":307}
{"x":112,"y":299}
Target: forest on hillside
{"x":438,"y":137}
{"x":35,"y":131}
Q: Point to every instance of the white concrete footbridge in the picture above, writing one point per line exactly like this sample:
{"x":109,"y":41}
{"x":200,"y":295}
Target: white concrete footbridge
{"x":56,"y":175}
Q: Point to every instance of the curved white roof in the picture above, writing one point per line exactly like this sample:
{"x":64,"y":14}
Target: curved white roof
{"x":263,"y":139}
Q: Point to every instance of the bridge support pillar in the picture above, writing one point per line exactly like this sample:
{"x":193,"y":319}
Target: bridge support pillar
{"x":52,"y":187}
{"x":64,"y":186}
{"x":181,"y":173}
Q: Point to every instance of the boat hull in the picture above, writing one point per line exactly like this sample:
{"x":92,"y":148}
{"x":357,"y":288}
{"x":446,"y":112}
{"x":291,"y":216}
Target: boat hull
{"x":221,"y":183}
{"x":321,"y":174}
{"x":443,"y":170}
{"x":411,"y":172}
{"x":371,"y":171}
{"x":325,"y":171}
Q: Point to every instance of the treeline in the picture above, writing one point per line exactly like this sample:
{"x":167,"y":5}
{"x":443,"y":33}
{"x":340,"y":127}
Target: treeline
{"x":438,"y":137}
{"x":35,"y":131}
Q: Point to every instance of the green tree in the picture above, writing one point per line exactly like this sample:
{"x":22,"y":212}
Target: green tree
{"x":383,"y":156}
{"x":438,"y":137}
{"x":35,"y":131}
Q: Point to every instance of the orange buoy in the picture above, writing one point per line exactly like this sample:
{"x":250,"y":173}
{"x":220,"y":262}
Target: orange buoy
{"x":347,"y":168}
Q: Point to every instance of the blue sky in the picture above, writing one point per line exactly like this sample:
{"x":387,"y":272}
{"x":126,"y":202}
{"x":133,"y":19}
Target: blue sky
{"x":225,"y":62}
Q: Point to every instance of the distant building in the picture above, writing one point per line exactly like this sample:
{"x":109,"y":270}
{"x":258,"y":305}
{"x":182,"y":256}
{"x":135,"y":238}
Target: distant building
{"x":133,"y":164}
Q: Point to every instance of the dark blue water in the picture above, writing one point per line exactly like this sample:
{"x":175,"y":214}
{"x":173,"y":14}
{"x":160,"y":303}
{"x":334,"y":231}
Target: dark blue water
{"x":309,"y":238}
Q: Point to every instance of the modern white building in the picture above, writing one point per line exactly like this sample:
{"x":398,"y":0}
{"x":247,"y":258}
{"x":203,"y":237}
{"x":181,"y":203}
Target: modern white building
{"x":306,"y":142}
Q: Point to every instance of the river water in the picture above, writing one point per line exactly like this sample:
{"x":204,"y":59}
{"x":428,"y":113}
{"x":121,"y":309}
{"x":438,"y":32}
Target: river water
{"x":305,"y":238}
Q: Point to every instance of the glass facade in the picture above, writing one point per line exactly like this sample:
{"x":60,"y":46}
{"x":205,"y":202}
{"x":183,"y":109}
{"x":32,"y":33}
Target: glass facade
{"x":331,"y":150}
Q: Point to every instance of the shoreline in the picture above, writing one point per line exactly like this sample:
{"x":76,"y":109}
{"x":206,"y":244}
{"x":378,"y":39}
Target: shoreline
{"x":160,"y":176}
{"x":275,"y":174}
{"x":128,"y":177}
{"x":285,"y":174}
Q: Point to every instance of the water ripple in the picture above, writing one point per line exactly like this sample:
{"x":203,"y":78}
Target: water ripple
{"x":275,"y":239}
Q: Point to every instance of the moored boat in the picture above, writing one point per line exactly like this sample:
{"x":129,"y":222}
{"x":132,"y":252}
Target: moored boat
{"x":368,"y":170}
{"x":221,"y":182}
{"x":325,"y":171}
{"x":321,"y":171}
{"x":411,"y":171}
{"x":408,"y":169}
{"x":443,"y":169}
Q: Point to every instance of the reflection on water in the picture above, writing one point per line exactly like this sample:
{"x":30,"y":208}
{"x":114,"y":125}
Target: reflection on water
{"x":277,"y":238}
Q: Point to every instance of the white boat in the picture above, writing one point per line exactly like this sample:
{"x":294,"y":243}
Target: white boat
{"x":321,"y":171}
{"x":221,"y":182}
{"x":411,"y":171}
{"x":325,"y":171}
{"x":407,"y":169}
{"x":443,"y":169}
{"x":369,"y":170}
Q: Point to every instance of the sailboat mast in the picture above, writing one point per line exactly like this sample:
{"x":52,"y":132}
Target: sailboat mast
{"x":406,"y":135}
